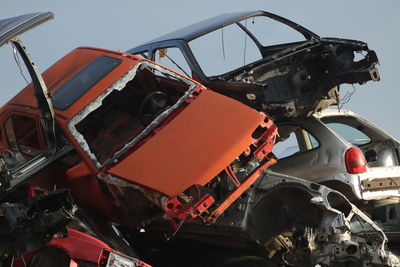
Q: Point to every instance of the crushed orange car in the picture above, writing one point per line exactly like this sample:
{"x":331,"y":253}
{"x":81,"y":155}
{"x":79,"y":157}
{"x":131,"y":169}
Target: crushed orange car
{"x":106,"y":152}
{"x":132,"y":140}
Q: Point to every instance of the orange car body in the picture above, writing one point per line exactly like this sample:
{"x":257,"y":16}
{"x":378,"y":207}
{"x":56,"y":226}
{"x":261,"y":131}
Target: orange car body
{"x":182,"y":143}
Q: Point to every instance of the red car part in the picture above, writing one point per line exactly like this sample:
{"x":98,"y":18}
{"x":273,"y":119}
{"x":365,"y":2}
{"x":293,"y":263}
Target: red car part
{"x":82,"y":247}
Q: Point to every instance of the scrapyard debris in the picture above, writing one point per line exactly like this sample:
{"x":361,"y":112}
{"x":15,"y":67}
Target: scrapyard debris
{"x":143,"y":146}
{"x":323,"y":233}
{"x":33,"y":222}
{"x":30,"y":223}
{"x":365,"y":167}
{"x":285,"y":219}
{"x":76,"y":248}
{"x":112,"y":111}
{"x":106,"y":143}
{"x":294,"y":76}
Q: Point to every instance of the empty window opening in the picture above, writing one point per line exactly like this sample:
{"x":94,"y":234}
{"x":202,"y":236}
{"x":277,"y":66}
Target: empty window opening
{"x":173,"y":59}
{"x":270,"y":32}
{"x":23,"y":135}
{"x":123,"y":114}
{"x":293,"y":139}
{"x":231,"y":49}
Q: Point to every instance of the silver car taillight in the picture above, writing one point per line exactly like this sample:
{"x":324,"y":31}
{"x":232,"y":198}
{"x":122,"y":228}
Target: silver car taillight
{"x":119,"y":260}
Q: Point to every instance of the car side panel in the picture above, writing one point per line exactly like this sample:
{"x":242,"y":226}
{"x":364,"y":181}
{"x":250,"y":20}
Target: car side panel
{"x":381,"y":150}
{"x":318,"y":164}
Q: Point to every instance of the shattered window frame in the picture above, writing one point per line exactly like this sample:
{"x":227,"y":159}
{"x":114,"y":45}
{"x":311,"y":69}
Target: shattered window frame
{"x":249,"y":36}
{"x":120,"y":85}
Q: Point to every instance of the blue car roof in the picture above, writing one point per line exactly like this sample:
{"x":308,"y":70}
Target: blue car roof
{"x":195,"y":30}
{"x":203,"y":27}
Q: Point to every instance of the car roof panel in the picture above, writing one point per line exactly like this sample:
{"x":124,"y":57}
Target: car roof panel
{"x":197,"y":29}
{"x":12,"y":27}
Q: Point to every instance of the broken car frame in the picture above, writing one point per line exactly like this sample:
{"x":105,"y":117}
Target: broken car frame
{"x":290,"y":79}
{"x":284,"y":218}
{"x":154,"y":107}
{"x":106,"y":116}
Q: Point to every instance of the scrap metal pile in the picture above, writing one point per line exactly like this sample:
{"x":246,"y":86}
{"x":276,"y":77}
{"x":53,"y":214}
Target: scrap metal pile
{"x":109,"y":157}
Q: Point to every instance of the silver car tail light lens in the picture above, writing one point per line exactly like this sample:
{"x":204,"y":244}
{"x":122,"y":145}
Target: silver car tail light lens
{"x":119,"y":260}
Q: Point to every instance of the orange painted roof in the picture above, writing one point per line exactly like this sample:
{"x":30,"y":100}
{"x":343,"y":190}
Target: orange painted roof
{"x":68,"y":66}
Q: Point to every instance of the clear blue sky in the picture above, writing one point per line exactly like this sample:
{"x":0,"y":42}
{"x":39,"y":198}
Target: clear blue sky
{"x":123,"y":24}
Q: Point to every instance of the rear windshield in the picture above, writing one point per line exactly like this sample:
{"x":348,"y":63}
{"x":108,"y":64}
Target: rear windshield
{"x":351,"y":134}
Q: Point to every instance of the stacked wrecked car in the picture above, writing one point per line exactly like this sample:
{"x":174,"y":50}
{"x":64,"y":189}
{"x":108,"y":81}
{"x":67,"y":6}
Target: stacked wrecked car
{"x":109,"y":157}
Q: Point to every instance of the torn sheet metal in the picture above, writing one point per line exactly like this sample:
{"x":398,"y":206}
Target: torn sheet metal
{"x":296,"y":222}
{"x":29,"y":224}
{"x":335,"y":240}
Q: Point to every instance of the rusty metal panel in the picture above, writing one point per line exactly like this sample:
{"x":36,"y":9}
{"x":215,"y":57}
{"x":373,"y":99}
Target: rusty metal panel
{"x":381,"y":184}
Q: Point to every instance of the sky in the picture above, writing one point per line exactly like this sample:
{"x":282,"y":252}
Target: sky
{"x":124,"y":24}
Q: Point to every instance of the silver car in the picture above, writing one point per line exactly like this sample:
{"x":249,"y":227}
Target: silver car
{"x":344,"y":151}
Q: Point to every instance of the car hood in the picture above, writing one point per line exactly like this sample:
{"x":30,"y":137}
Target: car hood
{"x":12,"y":27}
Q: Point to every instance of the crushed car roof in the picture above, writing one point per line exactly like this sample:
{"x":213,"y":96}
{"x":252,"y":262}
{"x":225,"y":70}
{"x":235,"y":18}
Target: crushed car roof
{"x":12,"y":27}
{"x":200,"y":28}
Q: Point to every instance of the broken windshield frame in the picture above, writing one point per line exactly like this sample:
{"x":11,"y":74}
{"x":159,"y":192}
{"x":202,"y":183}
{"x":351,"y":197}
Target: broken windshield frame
{"x":254,"y":39}
{"x":104,"y":149}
